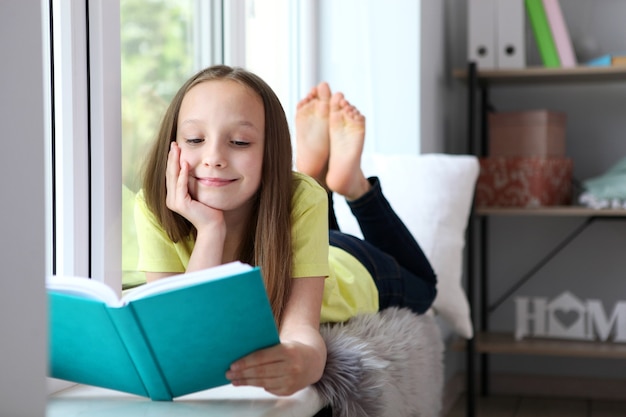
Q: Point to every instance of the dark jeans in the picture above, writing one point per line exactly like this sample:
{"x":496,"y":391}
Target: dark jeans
{"x":403,"y":275}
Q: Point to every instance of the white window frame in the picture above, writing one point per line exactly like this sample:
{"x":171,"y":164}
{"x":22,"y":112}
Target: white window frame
{"x":71,"y":131}
{"x":305,"y":25}
{"x":106,"y":130}
{"x":234,"y":29}
{"x":211,"y":51}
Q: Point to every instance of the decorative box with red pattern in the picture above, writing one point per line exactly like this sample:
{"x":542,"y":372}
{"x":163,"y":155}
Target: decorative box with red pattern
{"x":524,"y":182}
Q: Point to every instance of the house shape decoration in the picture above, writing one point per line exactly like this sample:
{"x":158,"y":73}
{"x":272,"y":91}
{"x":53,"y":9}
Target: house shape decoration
{"x":567,"y":317}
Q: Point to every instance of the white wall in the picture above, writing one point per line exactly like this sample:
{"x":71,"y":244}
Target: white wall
{"x":369,"y":50}
{"x":390,"y":59}
{"x":433,"y":78}
{"x":23,"y":338}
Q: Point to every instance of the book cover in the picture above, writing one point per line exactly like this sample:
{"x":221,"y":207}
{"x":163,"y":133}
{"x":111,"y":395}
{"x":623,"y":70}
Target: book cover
{"x":560,"y":33}
{"x":543,"y":35}
{"x":165,"y":340}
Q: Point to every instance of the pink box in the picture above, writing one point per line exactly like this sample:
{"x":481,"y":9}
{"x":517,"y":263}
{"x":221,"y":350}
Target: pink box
{"x":527,"y":133}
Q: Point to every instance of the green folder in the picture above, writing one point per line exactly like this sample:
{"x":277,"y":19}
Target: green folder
{"x":543,"y":34}
{"x":163,"y":340}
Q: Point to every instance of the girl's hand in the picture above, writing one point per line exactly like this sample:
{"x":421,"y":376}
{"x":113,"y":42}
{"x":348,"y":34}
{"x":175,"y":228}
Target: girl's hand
{"x":178,"y":198}
{"x":281,"y":370}
{"x":299,"y":360}
{"x":209,"y":222}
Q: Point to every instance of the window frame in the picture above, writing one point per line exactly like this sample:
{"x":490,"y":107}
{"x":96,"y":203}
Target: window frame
{"x":105,"y":133}
{"x":69,"y":141}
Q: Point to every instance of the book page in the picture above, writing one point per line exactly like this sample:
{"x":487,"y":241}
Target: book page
{"x":83,"y":287}
{"x":96,"y":290}
{"x":184,"y":280}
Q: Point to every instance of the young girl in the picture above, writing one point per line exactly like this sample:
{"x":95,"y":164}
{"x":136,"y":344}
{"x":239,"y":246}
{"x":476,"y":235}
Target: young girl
{"x":219,"y":186}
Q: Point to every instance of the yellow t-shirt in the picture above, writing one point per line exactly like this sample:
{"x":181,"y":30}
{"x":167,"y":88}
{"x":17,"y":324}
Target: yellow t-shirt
{"x":349,"y":288}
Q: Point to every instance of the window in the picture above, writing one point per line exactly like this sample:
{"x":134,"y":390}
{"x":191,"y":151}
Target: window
{"x":163,"y":42}
{"x":117,"y":64}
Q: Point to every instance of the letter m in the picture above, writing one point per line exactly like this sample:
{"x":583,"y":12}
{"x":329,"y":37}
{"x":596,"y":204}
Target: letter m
{"x":597,"y":319}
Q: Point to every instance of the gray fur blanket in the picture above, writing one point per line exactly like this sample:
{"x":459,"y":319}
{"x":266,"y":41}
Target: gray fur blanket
{"x":384,"y":364}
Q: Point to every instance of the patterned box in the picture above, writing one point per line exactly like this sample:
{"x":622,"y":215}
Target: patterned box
{"x":524,"y":182}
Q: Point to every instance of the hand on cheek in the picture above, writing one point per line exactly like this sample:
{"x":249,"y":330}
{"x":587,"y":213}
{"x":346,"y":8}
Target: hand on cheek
{"x":180,"y":198}
{"x":176,"y":180}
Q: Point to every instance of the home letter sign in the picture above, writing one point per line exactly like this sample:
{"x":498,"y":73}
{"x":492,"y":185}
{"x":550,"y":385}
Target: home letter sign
{"x":567,"y":317}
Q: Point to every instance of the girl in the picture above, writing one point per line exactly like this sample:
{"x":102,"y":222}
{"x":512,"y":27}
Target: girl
{"x":218,"y":186}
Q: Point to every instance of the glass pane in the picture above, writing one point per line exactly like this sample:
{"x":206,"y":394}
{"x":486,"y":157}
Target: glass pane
{"x":160,"y":44}
{"x":157,"y":48}
{"x":268,"y":45}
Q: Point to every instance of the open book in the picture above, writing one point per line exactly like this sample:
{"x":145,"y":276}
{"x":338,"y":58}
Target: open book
{"x":165,"y":339}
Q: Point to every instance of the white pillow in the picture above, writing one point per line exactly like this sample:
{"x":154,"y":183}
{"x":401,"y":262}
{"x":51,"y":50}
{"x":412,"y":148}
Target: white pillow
{"x":432,"y":194}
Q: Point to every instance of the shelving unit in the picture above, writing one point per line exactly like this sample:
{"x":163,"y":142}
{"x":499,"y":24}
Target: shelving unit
{"x":486,"y":342}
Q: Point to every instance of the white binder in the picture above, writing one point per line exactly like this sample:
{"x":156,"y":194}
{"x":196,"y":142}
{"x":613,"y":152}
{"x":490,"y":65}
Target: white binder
{"x":496,"y":37}
{"x":510,"y":26}
{"x":481,"y":36}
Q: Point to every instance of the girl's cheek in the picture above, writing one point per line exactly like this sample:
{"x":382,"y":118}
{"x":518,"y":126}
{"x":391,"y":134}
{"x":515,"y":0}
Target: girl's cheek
{"x":186,"y":157}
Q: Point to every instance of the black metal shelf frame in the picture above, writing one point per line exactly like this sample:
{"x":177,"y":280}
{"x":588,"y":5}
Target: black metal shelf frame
{"x":477,"y":238}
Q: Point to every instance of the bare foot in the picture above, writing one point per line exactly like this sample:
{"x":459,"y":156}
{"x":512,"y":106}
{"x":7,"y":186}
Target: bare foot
{"x":347,"y":135}
{"x":312,"y":142}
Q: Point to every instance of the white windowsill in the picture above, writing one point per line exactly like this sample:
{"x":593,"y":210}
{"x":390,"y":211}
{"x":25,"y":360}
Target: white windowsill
{"x":225,"y":401}
{"x":56,"y":385}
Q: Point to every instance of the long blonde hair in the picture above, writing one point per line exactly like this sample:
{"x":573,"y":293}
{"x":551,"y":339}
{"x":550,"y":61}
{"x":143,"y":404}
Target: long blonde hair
{"x":267,"y":241}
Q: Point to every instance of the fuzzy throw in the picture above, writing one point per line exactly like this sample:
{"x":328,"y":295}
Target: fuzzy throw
{"x":384,"y":364}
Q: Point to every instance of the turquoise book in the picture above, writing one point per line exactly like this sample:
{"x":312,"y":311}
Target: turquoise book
{"x":165,"y":339}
